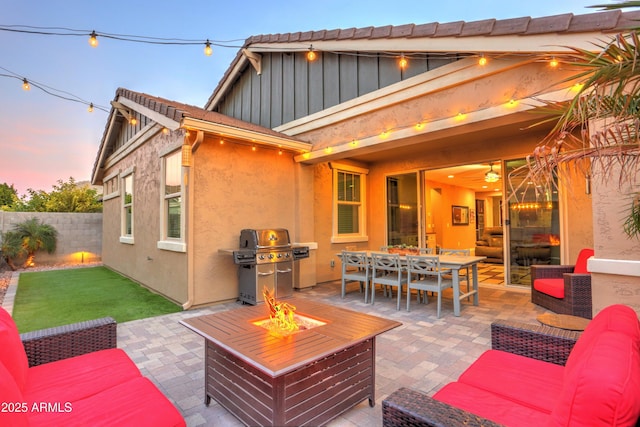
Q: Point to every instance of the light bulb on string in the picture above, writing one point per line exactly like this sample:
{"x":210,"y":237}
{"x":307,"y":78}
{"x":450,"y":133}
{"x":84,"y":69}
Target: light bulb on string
{"x":207,"y":48}
{"x":25,"y":84}
{"x":93,"y":39}
{"x":311,"y":55}
{"x":402,"y":62}
{"x":90,"y":109}
{"x":482,"y":61}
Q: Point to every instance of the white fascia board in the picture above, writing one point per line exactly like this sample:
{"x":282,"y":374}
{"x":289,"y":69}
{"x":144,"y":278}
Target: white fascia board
{"x":244,"y":134}
{"x":103,"y":149}
{"x":543,"y":43}
{"x":153,"y":115}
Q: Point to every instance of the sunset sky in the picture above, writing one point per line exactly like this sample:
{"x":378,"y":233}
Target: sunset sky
{"x":44,"y":138}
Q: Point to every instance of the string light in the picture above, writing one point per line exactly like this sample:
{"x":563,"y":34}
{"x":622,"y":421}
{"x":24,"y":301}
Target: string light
{"x":93,"y":39}
{"x":90,"y":109}
{"x":27,"y":84}
{"x":553,"y":63}
{"x":133,"y":121}
{"x":93,"y":36}
{"x":402,"y":62}
{"x":482,"y":61}
{"x":207,"y":48}
{"x":311,"y":55}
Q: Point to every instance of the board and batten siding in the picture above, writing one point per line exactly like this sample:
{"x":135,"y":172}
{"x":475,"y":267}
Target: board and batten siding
{"x":290,"y":87}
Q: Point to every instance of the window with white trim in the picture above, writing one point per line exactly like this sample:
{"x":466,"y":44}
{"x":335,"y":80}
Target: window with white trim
{"x":349,"y":207}
{"x":172,"y":214}
{"x":126,"y":234}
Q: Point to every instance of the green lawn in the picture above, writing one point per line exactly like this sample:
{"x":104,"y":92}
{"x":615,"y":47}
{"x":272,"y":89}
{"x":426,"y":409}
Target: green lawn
{"x":58,"y":297}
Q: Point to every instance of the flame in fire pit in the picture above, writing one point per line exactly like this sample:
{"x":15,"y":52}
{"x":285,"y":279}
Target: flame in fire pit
{"x":280,"y":313}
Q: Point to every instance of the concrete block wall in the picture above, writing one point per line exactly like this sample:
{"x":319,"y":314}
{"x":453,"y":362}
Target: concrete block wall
{"x":79,"y":235}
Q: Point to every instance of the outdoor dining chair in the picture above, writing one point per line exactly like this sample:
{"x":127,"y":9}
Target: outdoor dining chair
{"x":355,"y":267}
{"x":425,"y":274}
{"x":463,"y":273}
{"x":426,"y":251}
{"x":388,"y":271}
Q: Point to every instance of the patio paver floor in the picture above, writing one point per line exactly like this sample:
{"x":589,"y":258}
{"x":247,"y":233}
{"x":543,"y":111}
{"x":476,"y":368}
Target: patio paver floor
{"x":424,"y":353}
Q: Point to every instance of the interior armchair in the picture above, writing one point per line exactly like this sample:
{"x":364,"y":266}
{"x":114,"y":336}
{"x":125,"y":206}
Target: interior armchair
{"x":563,"y":289}
{"x":490,"y":245}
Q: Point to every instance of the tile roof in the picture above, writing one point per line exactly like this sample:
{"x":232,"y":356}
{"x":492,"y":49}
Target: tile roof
{"x":609,"y":21}
{"x":614,"y":20}
{"x":176,"y":111}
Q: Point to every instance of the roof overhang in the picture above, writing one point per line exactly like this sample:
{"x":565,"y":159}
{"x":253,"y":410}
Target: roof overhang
{"x":245,"y":135}
{"x":548,"y":43}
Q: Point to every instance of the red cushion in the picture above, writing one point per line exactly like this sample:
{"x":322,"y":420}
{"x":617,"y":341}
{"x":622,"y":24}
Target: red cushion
{"x":529,"y":382}
{"x":552,"y":287}
{"x":134,"y":403}
{"x":12,"y":412}
{"x":490,"y":406}
{"x":12,"y":354}
{"x":78,"y":377}
{"x":602,"y":374}
{"x":581,"y":263}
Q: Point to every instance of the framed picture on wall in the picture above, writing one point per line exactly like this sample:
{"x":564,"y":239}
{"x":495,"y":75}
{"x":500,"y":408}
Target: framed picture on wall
{"x":459,"y":215}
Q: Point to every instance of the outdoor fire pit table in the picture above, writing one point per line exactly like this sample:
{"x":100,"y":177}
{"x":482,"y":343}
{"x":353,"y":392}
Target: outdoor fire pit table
{"x":306,"y":378}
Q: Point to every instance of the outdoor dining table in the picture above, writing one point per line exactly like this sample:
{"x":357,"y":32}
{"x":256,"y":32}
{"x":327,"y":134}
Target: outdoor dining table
{"x":455,"y":263}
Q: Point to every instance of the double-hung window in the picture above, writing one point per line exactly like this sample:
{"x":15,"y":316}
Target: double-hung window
{"x":126,"y":233}
{"x":172,"y":204}
{"x":349,"y":202}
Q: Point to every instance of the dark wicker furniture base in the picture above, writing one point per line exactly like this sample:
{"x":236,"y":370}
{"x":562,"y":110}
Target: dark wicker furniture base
{"x":577,"y":290}
{"x":406,"y":407}
{"x":62,"y":342}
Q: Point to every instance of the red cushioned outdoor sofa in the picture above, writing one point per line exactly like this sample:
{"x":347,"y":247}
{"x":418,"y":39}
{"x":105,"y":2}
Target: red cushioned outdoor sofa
{"x":539,"y":376}
{"x":75,"y":376}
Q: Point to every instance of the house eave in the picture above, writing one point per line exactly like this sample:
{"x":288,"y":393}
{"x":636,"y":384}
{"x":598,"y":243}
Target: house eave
{"x":411,"y":133}
{"x":249,"y":136}
{"x":508,"y":44}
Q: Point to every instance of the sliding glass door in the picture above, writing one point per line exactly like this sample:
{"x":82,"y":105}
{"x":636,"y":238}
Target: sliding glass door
{"x":403,"y":213}
{"x":534,"y":226}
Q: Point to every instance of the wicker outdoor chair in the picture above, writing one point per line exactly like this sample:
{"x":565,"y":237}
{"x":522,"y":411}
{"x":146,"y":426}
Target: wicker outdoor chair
{"x":406,"y":407}
{"x":563,"y":289}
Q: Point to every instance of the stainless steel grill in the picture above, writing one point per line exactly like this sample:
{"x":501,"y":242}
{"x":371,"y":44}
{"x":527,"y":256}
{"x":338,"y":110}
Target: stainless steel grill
{"x":266,"y":258}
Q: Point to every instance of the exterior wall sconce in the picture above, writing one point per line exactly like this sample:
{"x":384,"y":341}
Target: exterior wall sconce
{"x":186,"y":155}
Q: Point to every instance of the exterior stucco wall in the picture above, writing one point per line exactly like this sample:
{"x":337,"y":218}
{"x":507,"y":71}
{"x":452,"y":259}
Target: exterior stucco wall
{"x":79,"y":235}
{"x":485,"y":148}
{"x":376,"y":206}
{"x":160,"y":270}
{"x":442,"y":94}
{"x":619,"y":281}
{"x":236,"y":188}
{"x":480,"y":141}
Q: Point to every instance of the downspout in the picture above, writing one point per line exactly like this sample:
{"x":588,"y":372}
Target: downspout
{"x":189,"y":214}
